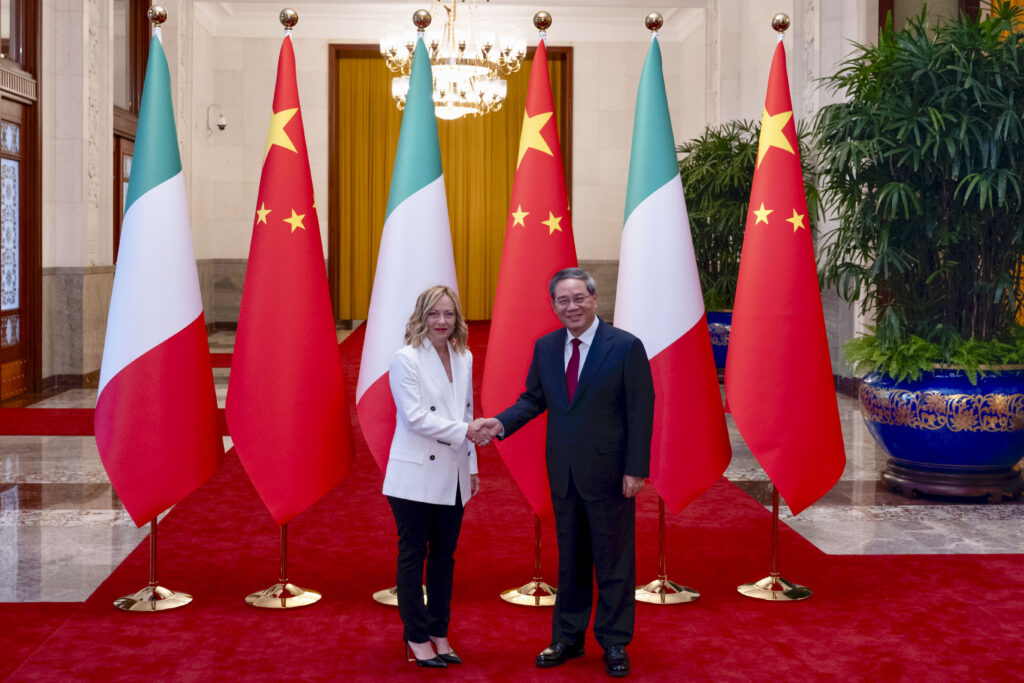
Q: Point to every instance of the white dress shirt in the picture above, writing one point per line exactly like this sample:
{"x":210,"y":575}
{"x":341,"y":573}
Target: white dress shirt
{"x":587,"y":338}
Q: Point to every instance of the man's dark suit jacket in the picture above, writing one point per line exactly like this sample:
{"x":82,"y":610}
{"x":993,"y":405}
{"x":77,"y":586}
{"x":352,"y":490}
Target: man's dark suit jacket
{"x":606,"y":431}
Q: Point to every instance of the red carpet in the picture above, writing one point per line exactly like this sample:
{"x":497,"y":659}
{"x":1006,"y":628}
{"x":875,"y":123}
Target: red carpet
{"x":26,"y":626}
{"x":49,"y":421}
{"x":220,"y":360}
{"x":872,"y":618}
{"x":59,"y":421}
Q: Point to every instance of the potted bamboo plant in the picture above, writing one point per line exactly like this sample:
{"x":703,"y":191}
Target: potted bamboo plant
{"x":717,"y":170}
{"x":923,"y":166}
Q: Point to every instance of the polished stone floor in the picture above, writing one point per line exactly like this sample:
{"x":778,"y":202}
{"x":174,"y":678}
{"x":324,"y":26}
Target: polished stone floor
{"x":63,"y":529}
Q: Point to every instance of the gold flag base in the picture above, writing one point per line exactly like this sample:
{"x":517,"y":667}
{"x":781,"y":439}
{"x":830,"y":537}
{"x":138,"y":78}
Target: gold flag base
{"x":389,"y":596}
{"x":152,"y":599}
{"x":283,"y":596}
{"x":662,"y":591}
{"x":665,"y":592}
{"x":534,"y":594}
{"x":774,"y":587}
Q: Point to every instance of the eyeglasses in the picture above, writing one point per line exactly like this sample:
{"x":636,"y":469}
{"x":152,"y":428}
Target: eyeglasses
{"x":579,"y":300}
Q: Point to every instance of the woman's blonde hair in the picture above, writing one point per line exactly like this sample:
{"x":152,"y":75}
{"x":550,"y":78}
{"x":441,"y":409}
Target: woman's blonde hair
{"x":416,"y":329}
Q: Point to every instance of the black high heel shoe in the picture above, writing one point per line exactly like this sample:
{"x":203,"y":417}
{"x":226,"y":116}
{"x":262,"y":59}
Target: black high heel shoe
{"x":435,"y":662}
{"x":449,"y":657}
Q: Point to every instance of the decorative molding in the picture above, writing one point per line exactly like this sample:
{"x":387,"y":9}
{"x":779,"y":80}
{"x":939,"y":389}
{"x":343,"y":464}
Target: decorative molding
{"x":810,"y":57}
{"x":713,"y":36}
{"x":17,"y":84}
{"x":185,"y":79}
{"x":96,"y":90}
{"x":92,"y":161}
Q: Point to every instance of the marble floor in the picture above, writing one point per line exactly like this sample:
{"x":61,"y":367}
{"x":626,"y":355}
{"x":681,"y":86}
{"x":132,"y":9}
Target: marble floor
{"x":63,"y":529}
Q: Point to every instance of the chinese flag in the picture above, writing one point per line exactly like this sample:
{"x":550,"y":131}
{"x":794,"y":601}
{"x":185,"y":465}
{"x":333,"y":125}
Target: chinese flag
{"x":286,"y":407}
{"x":778,"y":376}
{"x":538,"y":243}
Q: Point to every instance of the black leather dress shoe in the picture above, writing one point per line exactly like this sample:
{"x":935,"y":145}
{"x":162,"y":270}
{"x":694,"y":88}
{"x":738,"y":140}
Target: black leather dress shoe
{"x":450,"y":657}
{"x":616,"y":662}
{"x":558,"y":653}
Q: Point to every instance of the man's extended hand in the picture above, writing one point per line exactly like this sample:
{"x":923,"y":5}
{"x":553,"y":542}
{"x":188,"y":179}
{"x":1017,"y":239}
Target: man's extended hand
{"x":631,"y":485}
{"x":482,"y":430}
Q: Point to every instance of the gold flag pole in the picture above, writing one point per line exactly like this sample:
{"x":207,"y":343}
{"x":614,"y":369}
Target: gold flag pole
{"x":154,"y":597}
{"x":283,"y":594}
{"x":773,"y":586}
{"x":536,"y":593}
{"x":661,"y":591}
{"x":389,"y":596}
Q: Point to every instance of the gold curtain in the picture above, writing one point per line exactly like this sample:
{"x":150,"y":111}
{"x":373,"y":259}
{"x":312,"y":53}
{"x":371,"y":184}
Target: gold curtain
{"x":478,"y":156}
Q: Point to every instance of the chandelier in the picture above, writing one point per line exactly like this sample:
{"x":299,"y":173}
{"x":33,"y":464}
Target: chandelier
{"x":469,"y":60}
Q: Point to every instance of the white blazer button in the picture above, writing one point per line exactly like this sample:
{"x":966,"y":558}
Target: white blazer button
{"x":433,"y":408}
{"x":432,"y":457}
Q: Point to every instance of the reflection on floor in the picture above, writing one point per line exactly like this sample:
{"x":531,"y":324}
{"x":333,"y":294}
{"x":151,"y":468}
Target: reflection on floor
{"x":63,"y":529}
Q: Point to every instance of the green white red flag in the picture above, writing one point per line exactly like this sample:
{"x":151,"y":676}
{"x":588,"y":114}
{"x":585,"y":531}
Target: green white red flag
{"x":658,"y":298}
{"x":156,"y":410}
{"x":415,"y":253}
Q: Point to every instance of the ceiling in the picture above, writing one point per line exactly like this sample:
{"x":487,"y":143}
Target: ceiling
{"x":351,"y":20}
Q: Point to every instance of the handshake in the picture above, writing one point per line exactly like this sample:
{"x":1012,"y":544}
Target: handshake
{"x":483,"y":430}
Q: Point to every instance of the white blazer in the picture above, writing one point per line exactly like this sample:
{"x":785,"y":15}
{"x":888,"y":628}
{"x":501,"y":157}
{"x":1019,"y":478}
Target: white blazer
{"x":429,"y":452}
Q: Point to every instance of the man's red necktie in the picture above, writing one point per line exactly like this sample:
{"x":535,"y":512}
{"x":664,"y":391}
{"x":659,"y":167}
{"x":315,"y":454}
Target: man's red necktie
{"x":572,"y":370}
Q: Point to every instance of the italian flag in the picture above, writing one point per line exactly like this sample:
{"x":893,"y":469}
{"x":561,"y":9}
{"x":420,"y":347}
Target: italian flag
{"x":415,"y":253}
{"x":156,"y":412}
{"x":659,"y":300}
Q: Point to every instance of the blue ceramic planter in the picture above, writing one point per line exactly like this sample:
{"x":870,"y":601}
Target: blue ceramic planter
{"x":719,"y":323}
{"x":946,"y":436}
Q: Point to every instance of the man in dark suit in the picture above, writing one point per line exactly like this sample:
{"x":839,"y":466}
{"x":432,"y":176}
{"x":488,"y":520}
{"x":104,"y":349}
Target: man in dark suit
{"x":595,"y":383}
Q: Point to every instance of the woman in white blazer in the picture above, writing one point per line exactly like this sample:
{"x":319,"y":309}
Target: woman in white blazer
{"x":431,"y":470}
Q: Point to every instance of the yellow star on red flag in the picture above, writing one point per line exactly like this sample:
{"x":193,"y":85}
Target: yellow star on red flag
{"x":261,"y":213}
{"x":797,"y":220}
{"x":295,"y":220}
{"x":772,"y":135}
{"x":276,"y":134}
{"x":518,"y":217}
{"x":553,"y":222}
{"x":762,"y":214}
{"x":531,"y":137}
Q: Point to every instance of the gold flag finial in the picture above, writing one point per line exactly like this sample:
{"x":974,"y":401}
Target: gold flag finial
{"x":288,"y":18}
